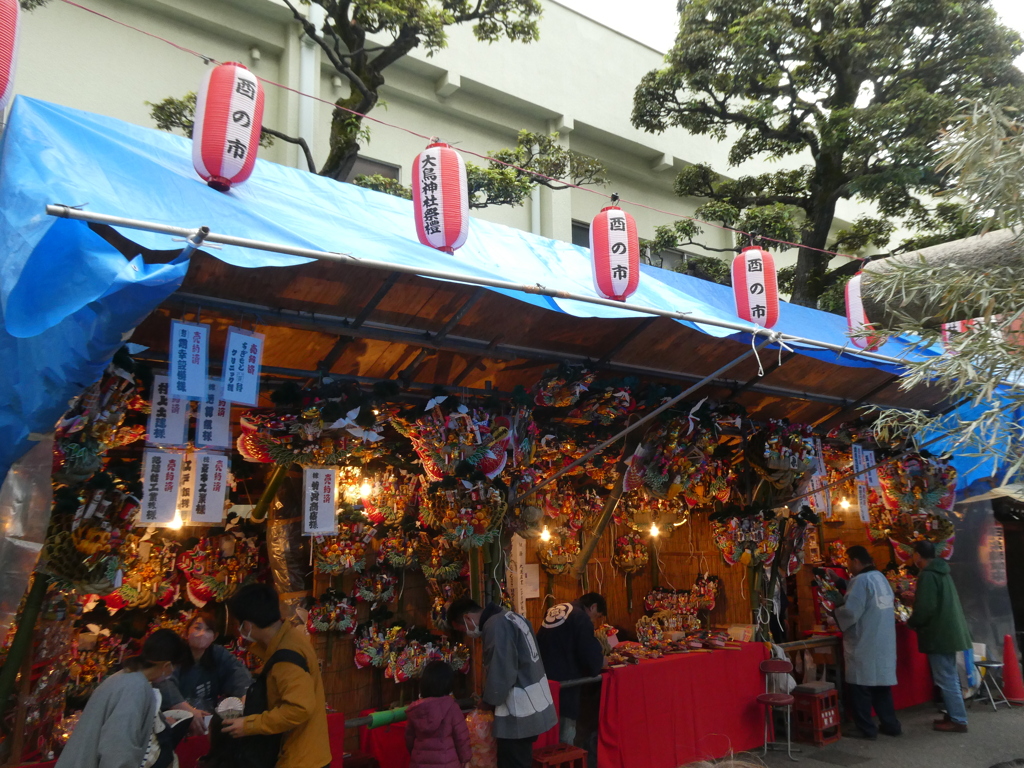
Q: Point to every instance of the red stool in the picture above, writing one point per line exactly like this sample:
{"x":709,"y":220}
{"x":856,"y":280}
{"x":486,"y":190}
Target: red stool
{"x":773,"y":699}
{"x":560,"y":756}
{"x":816,"y":714}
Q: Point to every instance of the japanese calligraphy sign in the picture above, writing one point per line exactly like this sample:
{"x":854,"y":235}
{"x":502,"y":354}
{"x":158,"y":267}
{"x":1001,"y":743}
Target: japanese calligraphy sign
{"x":186,"y":488}
{"x":10,"y":23}
{"x":615,"y":253}
{"x":161,"y":475}
{"x":755,"y":287}
{"x":243,"y":355}
{"x":856,"y":317}
{"x":992,"y":554}
{"x":821,"y":499}
{"x":168,"y":417}
{"x":228,"y":122}
{"x":319,"y":514}
{"x":188,"y":359}
{"x":440,"y":198}
{"x":213,"y":422}
{"x":210,"y":477}
{"x":864,"y":460}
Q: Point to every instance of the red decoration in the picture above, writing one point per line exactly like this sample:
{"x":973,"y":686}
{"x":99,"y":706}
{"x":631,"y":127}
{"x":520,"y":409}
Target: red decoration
{"x":440,"y":196}
{"x":755,"y":287}
{"x":10,"y":22}
{"x":229,"y":117}
{"x":856,"y":317}
{"x":615,"y":251}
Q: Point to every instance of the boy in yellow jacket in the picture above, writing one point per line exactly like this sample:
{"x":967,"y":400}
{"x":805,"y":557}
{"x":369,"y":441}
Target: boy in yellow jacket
{"x":297,"y":706}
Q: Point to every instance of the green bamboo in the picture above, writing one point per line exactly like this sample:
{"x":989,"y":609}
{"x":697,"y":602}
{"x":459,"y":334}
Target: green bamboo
{"x":22,"y":642}
{"x":259,"y":512}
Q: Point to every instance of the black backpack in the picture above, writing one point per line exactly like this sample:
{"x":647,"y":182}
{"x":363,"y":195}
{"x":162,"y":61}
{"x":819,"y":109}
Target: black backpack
{"x":251,"y":751}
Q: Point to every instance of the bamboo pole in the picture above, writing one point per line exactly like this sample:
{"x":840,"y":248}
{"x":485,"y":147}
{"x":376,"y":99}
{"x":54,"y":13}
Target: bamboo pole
{"x":22,"y":642}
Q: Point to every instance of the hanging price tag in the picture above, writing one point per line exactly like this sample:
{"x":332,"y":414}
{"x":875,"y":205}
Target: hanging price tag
{"x":188,"y":359}
{"x":213,"y":424}
{"x":161,"y":475}
{"x":168,"y":417}
{"x":211,"y":480}
{"x":243,"y":356}
{"x":319,"y":514}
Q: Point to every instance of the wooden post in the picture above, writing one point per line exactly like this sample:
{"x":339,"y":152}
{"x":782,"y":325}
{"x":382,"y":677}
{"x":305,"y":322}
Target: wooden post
{"x":259,"y":512}
{"x":21,"y":645}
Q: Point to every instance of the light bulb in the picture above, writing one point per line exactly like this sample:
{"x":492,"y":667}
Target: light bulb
{"x":177,"y":522}
{"x":844,"y":503}
{"x":365,"y":490}
{"x":545,"y":535}
{"x":654,"y":530}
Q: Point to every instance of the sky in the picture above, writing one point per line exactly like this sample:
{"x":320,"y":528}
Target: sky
{"x":654,"y":22}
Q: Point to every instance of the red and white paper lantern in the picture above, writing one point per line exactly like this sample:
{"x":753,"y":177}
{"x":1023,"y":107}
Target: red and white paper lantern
{"x":229,"y":118}
{"x":10,"y":22}
{"x":856,"y":317}
{"x":615,"y":253}
{"x":755,"y":287}
{"x":440,"y":197}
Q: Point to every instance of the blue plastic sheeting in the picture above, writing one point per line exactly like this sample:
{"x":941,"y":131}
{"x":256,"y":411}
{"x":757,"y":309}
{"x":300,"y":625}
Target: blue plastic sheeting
{"x":67,"y":298}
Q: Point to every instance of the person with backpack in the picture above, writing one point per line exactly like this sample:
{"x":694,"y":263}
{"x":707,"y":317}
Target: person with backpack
{"x":287,"y":700}
{"x":436,"y":733}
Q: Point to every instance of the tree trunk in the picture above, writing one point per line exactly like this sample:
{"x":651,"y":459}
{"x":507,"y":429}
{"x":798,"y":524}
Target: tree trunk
{"x":811,"y":264}
{"x":346,"y":128}
{"x":978,"y":254}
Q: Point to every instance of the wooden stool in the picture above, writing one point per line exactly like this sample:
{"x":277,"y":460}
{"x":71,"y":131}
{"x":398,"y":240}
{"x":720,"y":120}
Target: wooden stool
{"x":560,"y":756}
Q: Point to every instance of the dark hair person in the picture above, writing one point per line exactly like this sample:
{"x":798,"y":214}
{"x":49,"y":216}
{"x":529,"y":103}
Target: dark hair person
{"x":209,"y":674}
{"x":119,"y":723}
{"x":436,"y":734}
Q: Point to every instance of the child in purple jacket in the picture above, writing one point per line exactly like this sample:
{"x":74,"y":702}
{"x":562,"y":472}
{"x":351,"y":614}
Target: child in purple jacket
{"x":436,"y":734}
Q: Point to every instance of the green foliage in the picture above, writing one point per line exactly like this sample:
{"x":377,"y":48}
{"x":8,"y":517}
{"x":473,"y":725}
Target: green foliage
{"x":863,"y":88}
{"x":402,"y":26}
{"x":708,"y":268}
{"x":173,"y":114}
{"x":383,"y":184}
{"x":31,"y":5}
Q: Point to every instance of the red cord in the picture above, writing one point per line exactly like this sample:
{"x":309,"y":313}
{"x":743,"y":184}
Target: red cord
{"x":488,"y":158}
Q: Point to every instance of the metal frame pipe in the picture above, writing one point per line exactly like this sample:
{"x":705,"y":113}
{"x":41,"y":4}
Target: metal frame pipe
{"x":67,"y":212}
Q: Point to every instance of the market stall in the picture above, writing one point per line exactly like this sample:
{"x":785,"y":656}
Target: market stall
{"x":376,"y":442}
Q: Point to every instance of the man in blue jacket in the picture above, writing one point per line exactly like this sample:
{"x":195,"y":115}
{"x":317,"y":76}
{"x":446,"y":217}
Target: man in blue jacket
{"x":570,"y":650}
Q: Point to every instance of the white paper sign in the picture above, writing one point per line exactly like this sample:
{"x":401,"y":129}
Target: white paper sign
{"x":211,"y":482}
{"x":213,"y":424}
{"x":168,"y":418}
{"x":188,"y":359}
{"x":319,"y":513}
{"x":243,"y":356}
{"x":872,"y":476}
{"x":862,"y":500}
{"x":186,"y":488}
{"x":161,"y":474}
{"x":517,"y":574}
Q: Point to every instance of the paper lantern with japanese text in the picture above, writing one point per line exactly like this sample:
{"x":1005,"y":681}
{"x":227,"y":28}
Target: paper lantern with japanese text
{"x":856,"y":317}
{"x":755,"y":287}
{"x":440,"y":197}
{"x":615,"y":253}
{"x":10,"y":23}
{"x":228,"y":121}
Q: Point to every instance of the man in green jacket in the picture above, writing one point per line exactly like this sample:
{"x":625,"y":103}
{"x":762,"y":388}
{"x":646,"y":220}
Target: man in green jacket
{"x":941,"y":631}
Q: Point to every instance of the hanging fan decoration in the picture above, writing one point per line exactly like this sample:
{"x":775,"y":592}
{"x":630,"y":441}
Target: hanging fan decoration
{"x":630,"y":553}
{"x":394,"y":496}
{"x":604,"y":408}
{"x":310,"y":436}
{"x":562,"y":388}
{"x":398,"y":551}
{"x":748,"y":536}
{"x":558,"y":553}
{"x":781,"y":453}
{"x":149,"y":567}
{"x":344,"y":552}
{"x":375,"y":644}
{"x":469,"y":514}
{"x":376,"y":588}
{"x":918,"y":484}
{"x":441,"y":559}
{"x":217,"y":566}
{"x":332,"y":613}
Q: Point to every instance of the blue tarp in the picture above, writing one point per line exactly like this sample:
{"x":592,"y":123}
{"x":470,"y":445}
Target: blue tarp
{"x":67,"y":297}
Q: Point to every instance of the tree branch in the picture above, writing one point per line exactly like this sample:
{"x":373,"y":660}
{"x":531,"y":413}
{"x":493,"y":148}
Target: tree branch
{"x":294,"y":140}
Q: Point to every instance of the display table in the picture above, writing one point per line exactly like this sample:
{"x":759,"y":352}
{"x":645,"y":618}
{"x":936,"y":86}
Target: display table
{"x":913,"y":672}
{"x":667,"y":712}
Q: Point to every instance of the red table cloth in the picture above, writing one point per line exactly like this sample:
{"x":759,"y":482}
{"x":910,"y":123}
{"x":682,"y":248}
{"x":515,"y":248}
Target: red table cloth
{"x":913,"y":672}
{"x":667,"y":712}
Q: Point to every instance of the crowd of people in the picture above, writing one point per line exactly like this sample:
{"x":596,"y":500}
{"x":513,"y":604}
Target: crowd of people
{"x":136,"y":717}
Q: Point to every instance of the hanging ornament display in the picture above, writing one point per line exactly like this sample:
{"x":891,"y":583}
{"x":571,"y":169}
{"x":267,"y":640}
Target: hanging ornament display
{"x":332,"y":613}
{"x":559,"y":552}
{"x":440,"y":197}
{"x":615,"y":253}
{"x":397,"y":550}
{"x":345,"y":552}
{"x":781,"y":453}
{"x":630,"y":554}
{"x":856,"y":317}
{"x":376,"y":588}
{"x":228,"y":122}
{"x":217,"y":566}
{"x":745,"y":536}
{"x":10,"y":26}
{"x":755,"y":287}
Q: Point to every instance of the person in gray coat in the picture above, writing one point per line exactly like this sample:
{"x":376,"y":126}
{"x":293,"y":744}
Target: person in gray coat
{"x":868,"y":622}
{"x":516,"y":686}
{"x":116,"y":726}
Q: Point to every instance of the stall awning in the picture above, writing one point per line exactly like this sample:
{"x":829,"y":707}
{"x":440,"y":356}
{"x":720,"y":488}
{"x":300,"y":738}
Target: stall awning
{"x":67,"y":295}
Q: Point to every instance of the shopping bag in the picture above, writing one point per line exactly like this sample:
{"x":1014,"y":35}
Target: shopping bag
{"x":481,"y":739}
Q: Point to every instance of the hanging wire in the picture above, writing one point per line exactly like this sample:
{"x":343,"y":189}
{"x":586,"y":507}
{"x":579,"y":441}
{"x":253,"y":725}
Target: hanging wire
{"x":533,"y":173}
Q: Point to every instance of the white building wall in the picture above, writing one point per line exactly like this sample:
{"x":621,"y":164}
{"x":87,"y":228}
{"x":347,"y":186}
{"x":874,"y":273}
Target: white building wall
{"x":579,"y":79}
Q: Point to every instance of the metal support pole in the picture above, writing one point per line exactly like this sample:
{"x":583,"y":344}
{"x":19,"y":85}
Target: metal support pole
{"x":67,"y":212}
